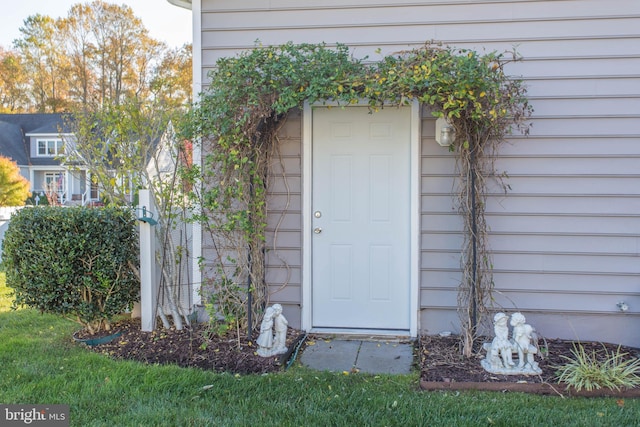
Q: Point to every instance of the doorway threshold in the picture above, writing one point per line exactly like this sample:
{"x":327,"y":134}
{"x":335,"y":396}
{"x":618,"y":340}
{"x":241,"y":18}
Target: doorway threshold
{"x":400,"y":335}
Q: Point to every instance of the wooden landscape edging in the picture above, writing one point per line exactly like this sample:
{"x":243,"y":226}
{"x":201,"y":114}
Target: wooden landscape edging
{"x":534,"y":388}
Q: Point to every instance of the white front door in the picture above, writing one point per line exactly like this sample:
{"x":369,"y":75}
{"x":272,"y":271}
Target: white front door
{"x":361,"y":220}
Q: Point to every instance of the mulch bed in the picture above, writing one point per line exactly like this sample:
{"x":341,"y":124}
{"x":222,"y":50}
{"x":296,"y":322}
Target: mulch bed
{"x":191,"y":347}
{"x":444,"y":368}
{"x":439,"y":359}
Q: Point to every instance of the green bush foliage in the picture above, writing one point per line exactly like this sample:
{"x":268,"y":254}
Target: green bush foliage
{"x":76,"y":262}
{"x":249,"y":96}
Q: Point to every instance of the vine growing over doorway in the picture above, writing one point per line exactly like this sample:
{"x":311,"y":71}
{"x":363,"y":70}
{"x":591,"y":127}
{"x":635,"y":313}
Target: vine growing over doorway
{"x":249,"y":96}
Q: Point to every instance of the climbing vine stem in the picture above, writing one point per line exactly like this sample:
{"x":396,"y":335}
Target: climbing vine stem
{"x":249,"y":97}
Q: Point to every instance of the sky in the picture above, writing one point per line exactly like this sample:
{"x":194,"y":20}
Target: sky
{"x":165,"y":22}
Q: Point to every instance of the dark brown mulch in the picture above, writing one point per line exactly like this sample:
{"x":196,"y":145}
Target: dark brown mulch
{"x":439,"y":359}
{"x":190,"y":347}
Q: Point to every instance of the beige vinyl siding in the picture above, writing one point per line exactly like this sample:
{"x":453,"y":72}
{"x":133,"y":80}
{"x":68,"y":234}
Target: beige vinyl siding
{"x":284,"y":230}
{"x":565,"y":238}
{"x":441,"y":235}
{"x":284,"y":225}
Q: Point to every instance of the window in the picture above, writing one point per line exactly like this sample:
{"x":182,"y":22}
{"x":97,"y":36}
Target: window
{"x":50,"y":147}
{"x":54,"y":181}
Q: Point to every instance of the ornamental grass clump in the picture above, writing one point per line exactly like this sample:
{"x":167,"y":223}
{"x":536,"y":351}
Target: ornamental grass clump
{"x":596,"y":370}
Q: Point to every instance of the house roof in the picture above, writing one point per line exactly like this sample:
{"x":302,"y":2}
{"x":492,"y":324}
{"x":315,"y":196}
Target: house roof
{"x":15,"y":127}
{"x":12,"y":143}
{"x":38,"y":123}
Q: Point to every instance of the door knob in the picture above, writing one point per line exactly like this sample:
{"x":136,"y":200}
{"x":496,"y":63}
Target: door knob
{"x":317,"y":230}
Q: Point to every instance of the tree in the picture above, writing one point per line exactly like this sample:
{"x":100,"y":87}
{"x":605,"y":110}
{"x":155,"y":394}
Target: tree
{"x":171,"y":82}
{"x":13,"y":82}
{"x":44,"y":61}
{"x":99,"y":54}
{"x":128,"y":147}
{"x":120,"y":39}
{"x":80,"y":49}
{"x":14,"y":188}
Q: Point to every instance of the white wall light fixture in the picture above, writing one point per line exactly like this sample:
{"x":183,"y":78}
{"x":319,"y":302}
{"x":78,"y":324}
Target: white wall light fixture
{"x":444,"y":132}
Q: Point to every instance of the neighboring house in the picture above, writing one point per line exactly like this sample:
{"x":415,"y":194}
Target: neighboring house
{"x":36,"y":142}
{"x":564,"y":239}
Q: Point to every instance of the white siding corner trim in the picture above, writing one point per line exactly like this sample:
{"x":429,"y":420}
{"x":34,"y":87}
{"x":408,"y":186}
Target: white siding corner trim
{"x":415,"y":217}
{"x":196,"y":271}
{"x":306,"y":216}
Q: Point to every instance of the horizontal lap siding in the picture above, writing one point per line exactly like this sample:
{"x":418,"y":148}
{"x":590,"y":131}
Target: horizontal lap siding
{"x":284,"y":221}
{"x":368,"y":26}
{"x":565,"y":238}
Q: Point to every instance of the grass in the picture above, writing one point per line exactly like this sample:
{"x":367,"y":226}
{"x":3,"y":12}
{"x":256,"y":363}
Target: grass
{"x":40,"y":364}
{"x":5,"y":295}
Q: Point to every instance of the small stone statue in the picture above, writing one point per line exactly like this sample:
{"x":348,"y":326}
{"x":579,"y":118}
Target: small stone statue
{"x":265,"y":339}
{"x":499,"y":359}
{"x":268,"y":345}
{"x":280,"y":325}
{"x":522,"y":336}
{"x":499,"y":352}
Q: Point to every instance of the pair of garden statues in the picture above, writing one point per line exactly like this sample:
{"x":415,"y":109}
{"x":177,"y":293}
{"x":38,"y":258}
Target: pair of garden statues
{"x":499,"y":359}
{"x":270,"y":343}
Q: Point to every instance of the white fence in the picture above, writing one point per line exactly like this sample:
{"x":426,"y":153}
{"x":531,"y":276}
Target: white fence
{"x":5,"y":216}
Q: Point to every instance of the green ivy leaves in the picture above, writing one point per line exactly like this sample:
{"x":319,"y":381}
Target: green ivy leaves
{"x":239,"y":116}
{"x":271,"y":80}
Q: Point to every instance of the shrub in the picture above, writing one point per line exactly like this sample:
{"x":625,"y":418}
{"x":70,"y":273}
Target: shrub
{"x":14,"y":188}
{"x":599,"y":370}
{"x":76,"y":262}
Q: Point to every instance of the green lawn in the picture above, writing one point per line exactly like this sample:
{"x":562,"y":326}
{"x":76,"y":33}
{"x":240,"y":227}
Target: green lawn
{"x":5,"y":295}
{"x":40,"y":364}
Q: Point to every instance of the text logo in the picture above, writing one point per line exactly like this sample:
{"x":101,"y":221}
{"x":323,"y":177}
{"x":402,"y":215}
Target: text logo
{"x":34,"y":415}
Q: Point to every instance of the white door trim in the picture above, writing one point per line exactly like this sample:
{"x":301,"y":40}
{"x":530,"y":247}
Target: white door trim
{"x":307,"y":127}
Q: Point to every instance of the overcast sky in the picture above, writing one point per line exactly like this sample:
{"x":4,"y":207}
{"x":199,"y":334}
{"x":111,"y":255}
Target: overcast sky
{"x":164,"y":21}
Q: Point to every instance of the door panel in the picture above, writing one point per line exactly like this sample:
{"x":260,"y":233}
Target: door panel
{"x":361,"y":218}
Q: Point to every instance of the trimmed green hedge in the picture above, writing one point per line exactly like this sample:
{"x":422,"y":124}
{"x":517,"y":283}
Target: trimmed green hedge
{"x":77,"y":262}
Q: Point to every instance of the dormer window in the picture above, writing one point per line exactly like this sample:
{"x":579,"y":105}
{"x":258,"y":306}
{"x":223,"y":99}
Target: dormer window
{"x":50,"y":147}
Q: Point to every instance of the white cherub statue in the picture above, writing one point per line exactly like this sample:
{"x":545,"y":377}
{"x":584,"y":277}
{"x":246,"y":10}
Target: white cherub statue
{"x":265,"y":339}
{"x":268,"y":344}
{"x":280,"y":325}
{"x":499,"y":355}
{"x":522,"y":336}
{"x":499,"y":359}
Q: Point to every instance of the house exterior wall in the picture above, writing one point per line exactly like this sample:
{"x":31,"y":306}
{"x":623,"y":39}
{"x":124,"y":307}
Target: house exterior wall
{"x":284,"y":221}
{"x":565,"y":238}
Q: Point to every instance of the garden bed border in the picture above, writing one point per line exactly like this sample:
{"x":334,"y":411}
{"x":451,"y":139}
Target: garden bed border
{"x":534,"y":388}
